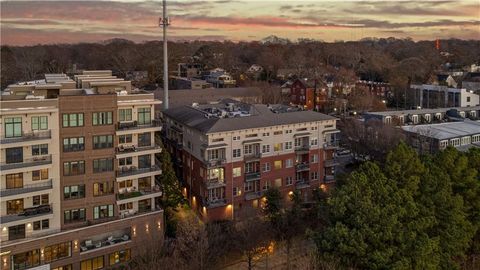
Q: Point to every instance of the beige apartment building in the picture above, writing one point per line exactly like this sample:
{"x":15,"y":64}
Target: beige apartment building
{"x":79,"y":186}
{"x":229,"y":153}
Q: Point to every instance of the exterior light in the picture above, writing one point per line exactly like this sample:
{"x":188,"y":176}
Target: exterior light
{"x":29,"y":225}
{"x":75,"y":243}
{"x":134,"y":231}
{"x":4,"y":229}
{"x":323,"y":187}
{"x":146,"y":227}
{"x":159,"y":225}
{"x":290,"y":193}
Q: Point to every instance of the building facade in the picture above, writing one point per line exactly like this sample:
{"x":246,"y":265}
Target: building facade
{"x":302,"y":93}
{"x":229,"y":153}
{"x":78,"y":173}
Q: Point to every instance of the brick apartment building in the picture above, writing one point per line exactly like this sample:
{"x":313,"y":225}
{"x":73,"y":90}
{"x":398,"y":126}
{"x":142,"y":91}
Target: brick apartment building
{"x":78,"y":173}
{"x":228,"y":153}
{"x":302,"y":93}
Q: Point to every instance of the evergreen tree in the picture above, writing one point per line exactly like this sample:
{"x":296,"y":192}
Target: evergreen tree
{"x":273,"y":203}
{"x":172,"y":194}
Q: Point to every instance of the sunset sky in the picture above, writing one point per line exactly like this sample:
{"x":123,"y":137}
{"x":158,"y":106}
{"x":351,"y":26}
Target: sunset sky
{"x":40,"y":22}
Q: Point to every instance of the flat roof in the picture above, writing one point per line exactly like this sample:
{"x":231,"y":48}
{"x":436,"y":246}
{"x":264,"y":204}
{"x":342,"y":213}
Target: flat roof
{"x":444,"y":131}
{"x":423,"y":111}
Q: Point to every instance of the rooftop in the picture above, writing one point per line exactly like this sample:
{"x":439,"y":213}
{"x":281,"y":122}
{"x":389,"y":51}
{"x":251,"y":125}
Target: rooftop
{"x":229,"y":115}
{"x":445,"y":131}
{"x":423,"y":111}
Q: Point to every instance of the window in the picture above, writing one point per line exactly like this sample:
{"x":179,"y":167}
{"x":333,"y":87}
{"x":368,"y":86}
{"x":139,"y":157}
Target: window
{"x":40,"y":199}
{"x":65,"y":267}
{"x":266,"y":167}
{"x":126,"y":206}
{"x":237,"y":191}
{"x":119,"y":256}
{"x":278,"y":182}
{"x":39,"y":122}
{"x":39,"y":149}
{"x":41,"y":225}
{"x":72,"y":120}
{"x":125,"y":115}
{"x":314,"y":128}
{"x":56,"y":252}
{"x":251,"y":135}
{"x":74,"y":192}
{"x":236,"y":138}
{"x":314,"y":175}
{"x":125,"y":161}
{"x":125,"y":184}
{"x":288,"y":131}
{"x":103,"y":211}
{"x":277,"y":164}
{"x":443,"y":144}
{"x":288,"y":145}
{"x":13,"y":127}
{"x":92,"y":264}
{"x":145,"y":183}
{"x":278,"y":147}
{"x":266,"y":185}
{"x":125,"y":138}
{"x":468,"y":99}
{"x":249,"y":149}
{"x":237,"y":153}
{"x":26,"y":259}
{"x":14,"y":180}
{"x":74,"y":215}
{"x":217,"y":140}
{"x":266,"y":148}
{"x":475,"y":138}
{"x":144,"y":139}
{"x":102,"y":165}
{"x":74,"y":167}
{"x":314,"y":141}
{"x":144,"y":116}
{"x":314,"y":158}
{"x":144,"y":161}
{"x":16,"y":232}
{"x":73,"y":144}
{"x":102,"y":118}
{"x":14,"y":155}
{"x":40,"y":174}
{"x":266,"y":134}
{"x":278,"y":132}
{"x":103,"y":188}
{"x":103,"y":141}
{"x":237,"y":172}
{"x":14,"y":206}
{"x":216,"y":154}
{"x":289,"y":181}
{"x":288,"y":163}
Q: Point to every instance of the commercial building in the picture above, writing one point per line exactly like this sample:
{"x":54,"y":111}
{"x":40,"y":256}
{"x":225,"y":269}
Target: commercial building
{"x":188,"y":83}
{"x":434,"y":96}
{"x":78,"y":172}
{"x":219,"y":78}
{"x":228,"y":153}
{"x":434,"y":137}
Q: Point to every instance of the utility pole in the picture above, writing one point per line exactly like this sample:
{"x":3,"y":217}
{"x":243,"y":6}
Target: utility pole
{"x":165,"y":22}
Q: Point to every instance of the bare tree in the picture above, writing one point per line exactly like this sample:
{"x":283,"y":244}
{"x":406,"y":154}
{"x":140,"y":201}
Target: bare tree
{"x":252,"y":239}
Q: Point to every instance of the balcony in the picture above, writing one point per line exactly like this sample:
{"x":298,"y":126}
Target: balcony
{"x":330,"y":163}
{"x":132,"y":192}
{"x":35,"y":161}
{"x":253,"y":195}
{"x":302,"y":149}
{"x":132,"y":125}
{"x":215,"y":182}
{"x":215,"y":202}
{"x":107,"y":241}
{"x":33,"y":136}
{"x":252,"y":176}
{"x":329,"y":178}
{"x":302,"y":183}
{"x":215,"y":162}
{"x":26,"y":189}
{"x":132,"y":170}
{"x":330,"y":145}
{"x":131,"y":212}
{"x":302,"y":167}
{"x":28,"y":213}
{"x":252,"y":156}
{"x":127,"y":150}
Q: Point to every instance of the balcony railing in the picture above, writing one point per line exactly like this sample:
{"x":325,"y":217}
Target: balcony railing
{"x":128,"y":171}
{"x":131,"y":212}
{"x":302,"y":148}
{"x":123,"y":149}
{"x":304,"y":166}
{"x":252,"y":176}
{"x":215,"y":162}
{"x":253,"y":195}
{"x":26,"y":188}
{"x":255,"y":155}
{"x":215,"y":202}
{"x":88,"y":245}
{"x":128,"y":194}
{"x":35,"y":161}
{"x":329,"y":178}
{"x":135,"y":125}
{"x":330,"y":145}
{"x":302,"y":183}
{"x":330,"y":162}
{"x":40,"y":135}
{"x":215,"y":182}
{"x":27,"y":213}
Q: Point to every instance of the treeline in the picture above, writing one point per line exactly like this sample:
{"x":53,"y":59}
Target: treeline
{"x":398,"y":61}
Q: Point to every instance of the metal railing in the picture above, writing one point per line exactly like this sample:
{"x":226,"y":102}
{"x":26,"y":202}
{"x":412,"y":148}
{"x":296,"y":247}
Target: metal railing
{"x":302,"y":183}
{"x":215,"y":203}
{"x":27,"y":137}
{"x":304,"y":166}
{"x":136,"y":125}
{"x":215,"y":182}
{"x":27,"y":213}
{"x":330,"y":162}
{"x":253,"y":195}
{"x":134,"y":170}
{"x":26,"y":188}
{"x":255,"y":155}
{"x":329,"y":178}
{"x":302,"y":148}
{"x":34,"y":161}
{"x":133,"y":148}
{"x":138,"y":193}
{"x":215,"y":162}
{"x":252,"y":176}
